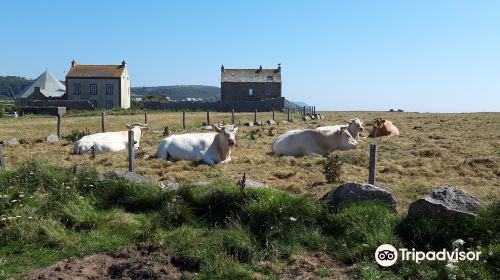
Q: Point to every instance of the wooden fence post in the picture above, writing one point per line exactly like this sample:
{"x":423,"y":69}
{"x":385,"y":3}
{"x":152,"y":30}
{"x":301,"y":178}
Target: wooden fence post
{"x":183,"y":119}
{"x":145,"y":117}
{"x":58,"y":126}
{"x":288,"y":115}
{"x":232,"y":116}
{"x":2,"y":161}
{"x":255,"y":116}
{"x":131,"y":157}
{"x":273,"y":114}
{"x":373,"y":164}
{"x":208,"y":117}
{"x":304,"y":111}
{"x":103,"y":117}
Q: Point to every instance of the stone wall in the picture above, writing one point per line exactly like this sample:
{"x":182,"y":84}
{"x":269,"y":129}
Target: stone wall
{"x":222,"y":106}
{"x":69,"y":104}
{"x":239,"y":91}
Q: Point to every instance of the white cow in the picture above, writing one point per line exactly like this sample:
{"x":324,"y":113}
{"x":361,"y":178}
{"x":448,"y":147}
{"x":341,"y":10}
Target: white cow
{"x":302,"y":142}
{"x":354,"y":126}
{"x":209,"y":148}
{"x":109,"y":141}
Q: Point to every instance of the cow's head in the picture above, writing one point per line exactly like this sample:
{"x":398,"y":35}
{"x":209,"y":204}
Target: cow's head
{"x":228,"y":133}
{"x":355,"y":127}
{"x":347,"y":142}
{"x":142,"y":127}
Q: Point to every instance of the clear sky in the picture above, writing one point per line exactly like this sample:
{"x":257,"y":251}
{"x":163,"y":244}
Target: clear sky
{"x":427,"y":56}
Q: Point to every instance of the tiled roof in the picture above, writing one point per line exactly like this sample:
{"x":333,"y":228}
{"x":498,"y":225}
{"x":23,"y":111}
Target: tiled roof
{"x":48,"y":84}
{"x":251,"y":75}
{"x":95,"y":71}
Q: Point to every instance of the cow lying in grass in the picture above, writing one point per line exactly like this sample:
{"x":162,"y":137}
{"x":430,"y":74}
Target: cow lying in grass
{"x":354,"y":126}
{"x":382,"y":127}
{"x":302,"y":142}
{"x":209,"y":148}
{"x":109,"y":141}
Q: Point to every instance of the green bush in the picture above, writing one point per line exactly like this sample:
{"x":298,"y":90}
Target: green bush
{"x":358,"y":229}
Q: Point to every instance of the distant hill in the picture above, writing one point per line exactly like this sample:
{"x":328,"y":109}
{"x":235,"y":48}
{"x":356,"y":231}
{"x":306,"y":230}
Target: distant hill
{"x":179,"y":92}
{"x":300,"y":103}
{"x":16,"y":83}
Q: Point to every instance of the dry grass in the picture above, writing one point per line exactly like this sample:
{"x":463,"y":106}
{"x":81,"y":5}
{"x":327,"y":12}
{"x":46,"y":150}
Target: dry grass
{"x":461,"y":150}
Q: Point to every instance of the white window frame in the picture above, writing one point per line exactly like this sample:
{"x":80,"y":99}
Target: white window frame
{"x":109,"y":89}
{"x":93,"y":89}
{"x":109,"y":104}
{"x":77,"y":89}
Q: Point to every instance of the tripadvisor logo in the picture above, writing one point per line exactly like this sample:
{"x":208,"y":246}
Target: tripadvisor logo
{"x":387,"y":255}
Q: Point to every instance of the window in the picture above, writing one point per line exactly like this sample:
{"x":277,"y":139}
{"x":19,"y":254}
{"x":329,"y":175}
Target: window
{"x":270,"y":78}
{"x":94,"y":103}
{"x":76,"y":89}
{"x":269,"y":91}
{"x":93,"y":89}
{"x":109,"y":104}
{"x":109,"y":89}
{"x":250,"y":92}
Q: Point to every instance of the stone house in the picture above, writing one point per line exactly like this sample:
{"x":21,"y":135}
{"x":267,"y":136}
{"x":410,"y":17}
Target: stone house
{"x":105,"y":86}
{"x":250,"y":84}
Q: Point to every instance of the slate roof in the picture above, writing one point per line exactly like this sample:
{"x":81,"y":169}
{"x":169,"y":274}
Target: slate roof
{"x":49,"y":86}
{"x":251,"y":75}
{"x":95,"y":71}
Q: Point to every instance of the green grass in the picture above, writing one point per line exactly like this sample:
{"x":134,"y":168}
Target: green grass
{"x":224,"y":232}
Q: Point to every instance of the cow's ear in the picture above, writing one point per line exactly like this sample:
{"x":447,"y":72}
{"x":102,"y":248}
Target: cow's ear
{"x":216,"y":128}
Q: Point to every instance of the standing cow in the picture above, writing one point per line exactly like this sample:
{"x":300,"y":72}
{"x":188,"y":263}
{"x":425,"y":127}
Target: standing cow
{"x":109,"y":141}
{"x":382,"y":127}
{"x":354,"y":126}
{"x":209,"y":148}
{"x":302,"y":142}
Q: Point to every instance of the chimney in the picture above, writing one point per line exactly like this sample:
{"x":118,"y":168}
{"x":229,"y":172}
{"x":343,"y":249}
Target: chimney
{"x":222,"y":68}
{"x":73,"y":63}
{"x":279,"y":67}
{"x":124,"y":64}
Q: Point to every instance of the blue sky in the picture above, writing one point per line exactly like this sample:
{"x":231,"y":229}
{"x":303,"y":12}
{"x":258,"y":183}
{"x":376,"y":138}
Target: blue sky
{"x":427,"y":56}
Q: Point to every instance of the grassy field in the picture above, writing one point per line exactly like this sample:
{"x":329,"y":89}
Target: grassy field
{"x":49,"y":213}
{"x":461,"y":150}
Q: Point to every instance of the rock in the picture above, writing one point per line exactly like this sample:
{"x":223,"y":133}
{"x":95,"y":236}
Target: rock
{"x":248,"y":124}
{"x":259,"y":123}
{"x":254,"y":184}
{"x":13,"y":141}
{"x":129,"y":176}
{"x":207,"y":127}
{"x":78,"y":168}
{"x":52,"y":138}
{"x":170,"y":187}
{"x":445,"y":202}
{"x":356,"y":192}
{"x":306,"y":118}
{"x":270,"y":122}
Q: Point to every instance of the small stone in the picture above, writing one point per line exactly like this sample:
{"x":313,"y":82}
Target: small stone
{"x":52,"y":138}
{"x":355,"y":192}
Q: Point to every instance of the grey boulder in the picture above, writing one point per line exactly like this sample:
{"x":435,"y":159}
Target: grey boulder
{"x":446,"y":202}
{"x":355,"y":192}
{"x":125,"y":175}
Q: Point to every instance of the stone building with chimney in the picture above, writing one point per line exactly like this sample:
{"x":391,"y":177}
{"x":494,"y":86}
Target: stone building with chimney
{"x":105,"y":86}
{"x":250,"y":84}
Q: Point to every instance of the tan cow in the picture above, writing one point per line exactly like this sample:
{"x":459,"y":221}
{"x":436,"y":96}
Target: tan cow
{"x":382,"y":127}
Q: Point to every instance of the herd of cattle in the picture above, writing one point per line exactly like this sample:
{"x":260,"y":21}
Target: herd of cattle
{"x":215,"y":147}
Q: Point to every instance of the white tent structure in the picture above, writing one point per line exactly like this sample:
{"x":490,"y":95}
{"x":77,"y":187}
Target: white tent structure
{"x":49,"y":87}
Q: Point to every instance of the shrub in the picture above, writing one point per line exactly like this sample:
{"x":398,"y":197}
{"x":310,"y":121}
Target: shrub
{"x":358,"y":229}
{"x":332,"y":167}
